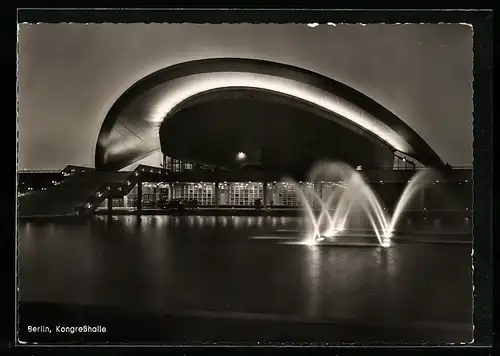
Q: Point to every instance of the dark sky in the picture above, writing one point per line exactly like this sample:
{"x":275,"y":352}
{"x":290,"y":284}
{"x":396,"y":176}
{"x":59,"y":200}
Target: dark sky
{"x":71,"y":74}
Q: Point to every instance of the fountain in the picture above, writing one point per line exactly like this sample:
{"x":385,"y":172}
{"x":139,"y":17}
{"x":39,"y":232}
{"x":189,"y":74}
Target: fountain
{"x":350,"y":191}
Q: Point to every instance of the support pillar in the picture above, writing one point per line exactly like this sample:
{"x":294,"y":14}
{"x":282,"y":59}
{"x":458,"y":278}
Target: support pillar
{"x":424,"y":221}
{"x":170,"y":191}
{"x":265,"y":195}
{"x":139,"y":197}
{"x":110,"y":206}
{"x":157,"y":194}
{"x":217,"y":194}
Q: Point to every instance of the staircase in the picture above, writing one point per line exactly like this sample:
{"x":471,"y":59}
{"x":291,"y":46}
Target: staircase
{"x":80,"y":193}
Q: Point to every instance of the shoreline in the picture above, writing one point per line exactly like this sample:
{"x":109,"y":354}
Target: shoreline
{"x":219,"y":212}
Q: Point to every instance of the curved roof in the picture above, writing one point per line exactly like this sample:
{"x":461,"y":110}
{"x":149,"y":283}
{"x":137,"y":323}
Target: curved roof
{"x":131,"y":128}
{"x":276,"y":133}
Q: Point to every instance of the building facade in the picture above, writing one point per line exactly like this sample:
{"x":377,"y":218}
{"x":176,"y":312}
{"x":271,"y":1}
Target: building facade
{"x":452,"y":196}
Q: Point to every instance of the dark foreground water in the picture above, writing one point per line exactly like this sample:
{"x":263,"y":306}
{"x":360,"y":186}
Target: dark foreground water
{"x":247,"y":269}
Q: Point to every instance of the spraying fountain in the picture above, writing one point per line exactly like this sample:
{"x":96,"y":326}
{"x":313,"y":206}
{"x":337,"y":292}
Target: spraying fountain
{"x":350,"y":192}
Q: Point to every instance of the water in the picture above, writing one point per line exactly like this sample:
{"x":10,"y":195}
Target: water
{"x":161,"y":264}
{"x":350,"y":191}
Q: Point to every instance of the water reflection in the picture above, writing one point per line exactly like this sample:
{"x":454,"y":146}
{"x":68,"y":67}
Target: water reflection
{"x":51,"y":228}
{"x":278,"y":223}
{"x":208,"y":263}
{"x":191,"y":221}
{"x":260,"y":221}
{"x":385,"y":259}
{"x":161,"y":221}
{"x":314,"y":280}
{"x":153,"y":222}
{"x":129,"y":223}
{"x":201,"y":221}
{"x":27,"y":229}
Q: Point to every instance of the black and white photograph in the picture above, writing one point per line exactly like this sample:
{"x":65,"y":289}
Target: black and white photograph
{"x":194,"y":184}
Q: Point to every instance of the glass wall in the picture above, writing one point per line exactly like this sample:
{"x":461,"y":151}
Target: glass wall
{"x":285,"y":194}
{"x":202,"y":193}
{"x":176,"y":165}
{"x":152,"y":195}
{"x":118,"y":203}
{"x":436,"y":196}
{"x":401,"y":162}
{"x":243,"y":194}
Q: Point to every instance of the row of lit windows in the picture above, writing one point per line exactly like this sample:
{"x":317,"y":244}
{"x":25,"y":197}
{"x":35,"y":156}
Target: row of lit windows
{"x":323,"y":187}
{"x":178,"y":165}
{"x":247,"y":193}
{"x":131,"y":201}
{"x":237,"y":194}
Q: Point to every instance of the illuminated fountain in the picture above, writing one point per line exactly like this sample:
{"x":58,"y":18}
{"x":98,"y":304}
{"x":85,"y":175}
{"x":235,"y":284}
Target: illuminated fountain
{"x":349,"y":195}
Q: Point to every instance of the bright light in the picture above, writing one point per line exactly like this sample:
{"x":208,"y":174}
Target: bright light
{"x":358,"y":168}
{"x":310,"y":242}
{"x":241,"y":156}
{"x":177,"y":91}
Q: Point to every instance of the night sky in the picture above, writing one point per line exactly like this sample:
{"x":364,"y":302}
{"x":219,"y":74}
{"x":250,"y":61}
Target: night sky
{"x":71,"y":74}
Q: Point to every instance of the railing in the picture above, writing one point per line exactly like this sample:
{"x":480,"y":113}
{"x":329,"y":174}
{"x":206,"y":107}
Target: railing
{"x":107,"y":191}
{"x":70,"y":169}
{"x":389,"y":168}
{"x":384,"y":168}
{"x":463,"y":167}
{"x":39,"y":171}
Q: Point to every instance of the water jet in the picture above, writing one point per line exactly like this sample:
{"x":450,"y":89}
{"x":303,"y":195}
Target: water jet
{"x":353,"y":197}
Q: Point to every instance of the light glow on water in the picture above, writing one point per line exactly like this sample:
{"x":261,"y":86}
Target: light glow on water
{"x":338,"y":207}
